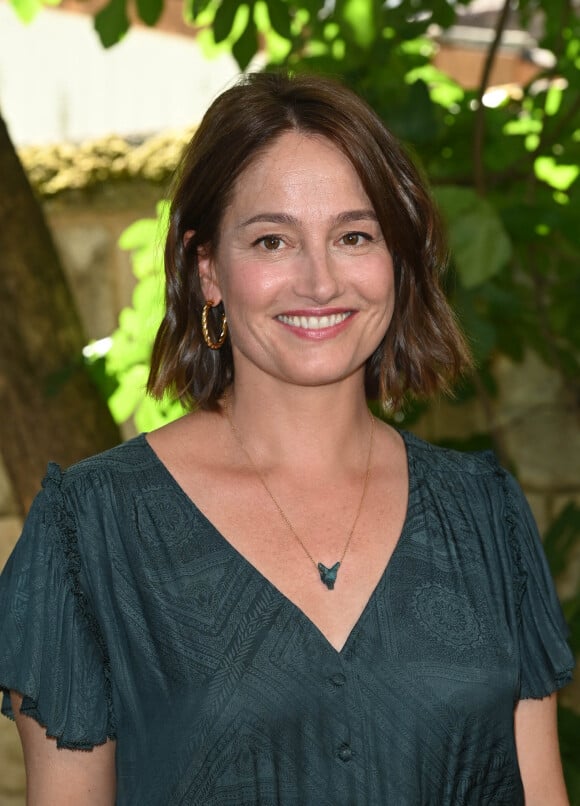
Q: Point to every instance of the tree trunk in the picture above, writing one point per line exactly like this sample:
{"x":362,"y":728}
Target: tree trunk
{"x":49,"y":407}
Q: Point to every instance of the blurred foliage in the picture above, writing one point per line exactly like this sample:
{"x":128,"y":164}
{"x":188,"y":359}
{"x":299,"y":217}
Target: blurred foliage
{"x":62,"y":167}
{"x":505,"y":176}
{"x":126,"y":364}
{"x":28,"y":9}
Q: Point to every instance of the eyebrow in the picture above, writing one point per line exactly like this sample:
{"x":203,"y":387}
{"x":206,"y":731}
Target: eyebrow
{"x":283,"y":218}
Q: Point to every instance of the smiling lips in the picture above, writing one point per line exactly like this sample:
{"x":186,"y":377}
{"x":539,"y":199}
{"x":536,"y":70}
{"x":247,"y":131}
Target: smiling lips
{"x":314,"y":322}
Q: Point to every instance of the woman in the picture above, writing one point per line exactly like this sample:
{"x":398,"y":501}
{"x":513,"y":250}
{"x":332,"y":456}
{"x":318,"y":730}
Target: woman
{"x":277,"y":599}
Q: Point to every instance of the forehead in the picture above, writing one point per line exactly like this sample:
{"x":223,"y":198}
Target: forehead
{"x":298,"y":169}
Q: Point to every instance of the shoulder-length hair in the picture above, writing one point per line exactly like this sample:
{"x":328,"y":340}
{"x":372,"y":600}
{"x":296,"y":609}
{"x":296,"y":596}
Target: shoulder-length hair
{"x":423,"y":351}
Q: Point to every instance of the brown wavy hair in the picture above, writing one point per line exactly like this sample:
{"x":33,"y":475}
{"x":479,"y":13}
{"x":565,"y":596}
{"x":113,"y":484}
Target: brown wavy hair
{"x":423,"y":351}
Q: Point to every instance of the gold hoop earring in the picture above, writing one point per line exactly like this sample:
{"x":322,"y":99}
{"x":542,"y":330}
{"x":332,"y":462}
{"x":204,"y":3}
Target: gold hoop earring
{"x":213,"y":345}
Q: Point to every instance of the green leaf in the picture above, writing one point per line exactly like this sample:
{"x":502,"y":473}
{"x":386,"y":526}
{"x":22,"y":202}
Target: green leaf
{"x":128,"y":323}
{"x":443,"y":90}
{"x":419,"y":123}
{"x":523,"y":125}
{"x":112,"y":23}
{"x":279,"y":15}
{"x":193,"y":8}
{"x":148,"y":300}
{"x":149,"y":10}
{"x":128,"y":349}
{"x":472,"y":310}
{"x":129,"y":393}
{"x":479,"y":243}
{"x":558,"y":176}
{"x":224,"y":19}
{"x":444,"y":13}
{"x":151,"y":414}
{"x":26,"y":9}
{"x":144,"y":238}
{"x":205,"y":35}
{"x":147,"y":261}
{"x":247,"y":45}
{"x":138,"y":234}
{"x":554,"y":97}
{"x":162,"y":208}
{"x":359,"y":16}
{"x":103,"y":380}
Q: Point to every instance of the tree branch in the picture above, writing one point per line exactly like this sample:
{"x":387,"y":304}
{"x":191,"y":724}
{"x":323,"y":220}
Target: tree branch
{"x":479,"y":128}
{"x":50,"y":406}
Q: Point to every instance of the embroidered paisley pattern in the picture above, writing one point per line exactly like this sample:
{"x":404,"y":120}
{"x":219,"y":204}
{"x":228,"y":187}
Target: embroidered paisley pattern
{"x":448,"y":615}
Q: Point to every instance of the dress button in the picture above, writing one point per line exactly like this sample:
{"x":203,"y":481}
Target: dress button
{"x":338,"y":679}
{"x":344,"y":752}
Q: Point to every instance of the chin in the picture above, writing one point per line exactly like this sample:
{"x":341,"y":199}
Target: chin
{"x":321,"y":377}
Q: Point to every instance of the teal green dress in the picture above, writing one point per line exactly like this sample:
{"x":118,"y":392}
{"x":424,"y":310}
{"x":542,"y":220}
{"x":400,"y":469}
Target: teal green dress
{"x":125,"y":614}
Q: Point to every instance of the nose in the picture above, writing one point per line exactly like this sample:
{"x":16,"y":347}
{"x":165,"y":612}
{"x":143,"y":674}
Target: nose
{"x":318,"y":277}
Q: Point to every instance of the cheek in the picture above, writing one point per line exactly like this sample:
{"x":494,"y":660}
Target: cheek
{"x":380,"y":283}
{"x":251,"y":286}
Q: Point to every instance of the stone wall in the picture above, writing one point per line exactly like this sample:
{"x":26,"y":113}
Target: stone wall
{"x":92,"y":193}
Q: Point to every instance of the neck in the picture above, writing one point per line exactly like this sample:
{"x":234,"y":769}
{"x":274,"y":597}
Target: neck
{"x":321,"y":429}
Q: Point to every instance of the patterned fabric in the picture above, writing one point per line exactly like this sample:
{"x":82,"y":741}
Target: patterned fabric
{"x":124,"y":613}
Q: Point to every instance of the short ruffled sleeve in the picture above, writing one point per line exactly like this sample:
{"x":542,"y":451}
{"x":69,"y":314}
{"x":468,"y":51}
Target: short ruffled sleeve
{"x":546,"y":659}
{"x":51,"y":648}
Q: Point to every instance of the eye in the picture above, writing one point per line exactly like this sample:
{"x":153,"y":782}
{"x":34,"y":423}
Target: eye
{"x":270,"y":242}
{"x":355,"y":238}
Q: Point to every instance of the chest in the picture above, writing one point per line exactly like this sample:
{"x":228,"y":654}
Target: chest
{"x":436,"y":581}
{"x":428,"y":670}
{"x":323,"y":548}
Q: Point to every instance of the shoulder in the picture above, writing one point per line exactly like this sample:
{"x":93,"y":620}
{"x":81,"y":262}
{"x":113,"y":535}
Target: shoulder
{"x":95,"y":508}
{"x":433,"y":459}
{"x":116,"y":465}
{"x":461,"y":481}
{"x":102,"y":483}
{"x":471,"y":487}
{"x":126,"y":457}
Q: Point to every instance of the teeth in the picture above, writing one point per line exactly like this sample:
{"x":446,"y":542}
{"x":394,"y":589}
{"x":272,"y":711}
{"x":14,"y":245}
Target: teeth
{"x":314,"y":322}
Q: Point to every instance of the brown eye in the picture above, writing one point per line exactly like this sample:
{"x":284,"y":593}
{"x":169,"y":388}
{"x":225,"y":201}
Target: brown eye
{"x":353,"y":238}
{"x":271,"y":242}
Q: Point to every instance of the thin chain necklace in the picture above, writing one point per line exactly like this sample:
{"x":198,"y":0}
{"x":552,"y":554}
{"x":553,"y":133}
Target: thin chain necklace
{"x":327,"y":575}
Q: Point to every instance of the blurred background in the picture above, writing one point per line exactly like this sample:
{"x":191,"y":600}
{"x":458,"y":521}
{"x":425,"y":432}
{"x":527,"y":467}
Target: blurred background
{"x":97,"y":101}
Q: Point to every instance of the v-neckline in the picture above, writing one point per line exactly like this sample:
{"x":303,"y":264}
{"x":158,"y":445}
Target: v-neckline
{"x":285,"y":600}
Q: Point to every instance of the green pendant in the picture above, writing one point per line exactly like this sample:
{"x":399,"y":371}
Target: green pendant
{"x":328,"y":575}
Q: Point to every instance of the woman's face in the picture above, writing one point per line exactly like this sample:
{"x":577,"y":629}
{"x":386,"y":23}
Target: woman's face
{"x":301,"y":267}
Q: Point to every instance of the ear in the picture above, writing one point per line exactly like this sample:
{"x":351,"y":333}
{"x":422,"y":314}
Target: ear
{"x":206,"y":268}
